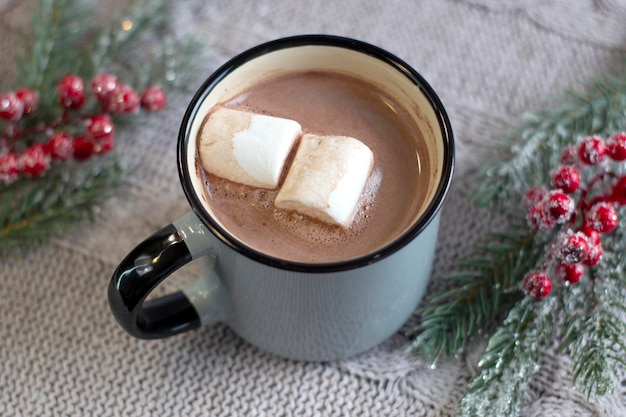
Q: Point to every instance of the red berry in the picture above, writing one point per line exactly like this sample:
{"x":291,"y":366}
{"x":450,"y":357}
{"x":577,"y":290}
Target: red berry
{"x":602,"y":217}
{"x":537,"y":285}
{"x":83,"y":148}
{"x":103,"y":85}
{"x":569,"y":156}
{"x":567,"y":178}
{"x":124,"y":99}
{"x":153,"y":99}
{"x":616,"y":147}
{"x":105,"y":146}
{"x":593,"y":237}
{"x":30,"y":99}
{"x":534,"y":196}
{"x":9,"y":169}
{"x":571,"y":273}
{"x":575,"y":248}
{"x":11,"y":107}
{"x":558,"y":206}
{"x":592,"y":150}
{"x":596,"y":252}
{"x":60,"y":146}
{"x":35,"y":161}
{"x":71,"y":92}
{"x":100,"y":127}
{"x":537,"y":218}
{"x":619,"y":191}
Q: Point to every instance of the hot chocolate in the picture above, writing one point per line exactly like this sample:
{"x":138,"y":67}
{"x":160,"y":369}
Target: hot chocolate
{"x":327,"y":103}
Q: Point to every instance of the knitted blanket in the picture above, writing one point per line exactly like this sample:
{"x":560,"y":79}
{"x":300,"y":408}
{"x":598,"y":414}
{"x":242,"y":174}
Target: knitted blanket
{"x":63,"y":354}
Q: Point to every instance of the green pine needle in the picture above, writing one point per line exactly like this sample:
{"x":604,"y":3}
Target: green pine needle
{"x":51,"y":48}
{"x":32,"y":210}
{"x":133,"y":33}
{"x":527,"y":154}
{"x":595,"y":320}
{"x":511,"y":359}
{"x":484,"y":288}
{"x":64,"y":38}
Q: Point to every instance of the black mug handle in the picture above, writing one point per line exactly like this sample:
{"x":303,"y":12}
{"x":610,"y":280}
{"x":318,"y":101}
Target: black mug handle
{"x":138,"y":274}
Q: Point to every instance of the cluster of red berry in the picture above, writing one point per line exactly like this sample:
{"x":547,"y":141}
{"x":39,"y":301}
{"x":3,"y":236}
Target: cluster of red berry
{"x":73,"y":135}
{"x":584,"y":211}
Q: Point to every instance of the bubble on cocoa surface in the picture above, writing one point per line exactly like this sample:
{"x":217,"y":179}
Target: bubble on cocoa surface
{"x":363,"y":213}
{"x":263,"y":198}
{"x":251,"y":109}
{"x":279,"y":215}
{"x":295,"y":217}
{"x":224,"y":188}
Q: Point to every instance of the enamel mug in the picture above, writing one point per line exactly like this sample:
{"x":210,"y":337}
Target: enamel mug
{"x":321,"y":311}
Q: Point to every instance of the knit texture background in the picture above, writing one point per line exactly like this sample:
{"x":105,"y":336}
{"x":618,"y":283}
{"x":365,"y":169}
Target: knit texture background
{"x":61,"y":352}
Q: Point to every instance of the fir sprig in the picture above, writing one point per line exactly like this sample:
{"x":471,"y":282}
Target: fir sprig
{"x":591,"y":316}
{"x":526,"y":154}
{"x":34,"y":210}
{"x":595,"y":321}
{"x":482,"y":289}
{"x":139,"y":45}
{"x":136,"y":27}
{"x":511,"y":359}
{"x":170,"y":59}
{"x":51,"y":48}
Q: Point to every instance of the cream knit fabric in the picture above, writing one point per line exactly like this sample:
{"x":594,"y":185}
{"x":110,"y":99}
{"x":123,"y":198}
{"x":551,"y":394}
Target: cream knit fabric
{"x":62,"y":354}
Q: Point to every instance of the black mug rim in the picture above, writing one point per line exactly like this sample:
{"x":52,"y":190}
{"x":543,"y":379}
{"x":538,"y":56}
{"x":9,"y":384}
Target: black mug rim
{"x":317,"y":40}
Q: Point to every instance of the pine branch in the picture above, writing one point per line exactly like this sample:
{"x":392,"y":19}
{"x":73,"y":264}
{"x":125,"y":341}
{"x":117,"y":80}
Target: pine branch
{"x":51,"y":48}
{"x":596,"y":321}
{"x":526,"y":155}
{"x":167,"y":59}
{"x":511,"y":359}
{"x":138,"y":45}
{"x":594,"y":312}
{"x":119,"y":42}
{"x":33,"y":210}
{"x":480,"y":293}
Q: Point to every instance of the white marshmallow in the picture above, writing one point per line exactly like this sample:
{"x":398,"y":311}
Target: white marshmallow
{"x":247,"y":148}
{"x":326,"y":178}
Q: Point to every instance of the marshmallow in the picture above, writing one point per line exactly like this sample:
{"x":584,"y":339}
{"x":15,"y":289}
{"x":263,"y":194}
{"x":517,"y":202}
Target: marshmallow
{"x":247,"y":148}
{"x":326,"y":178}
